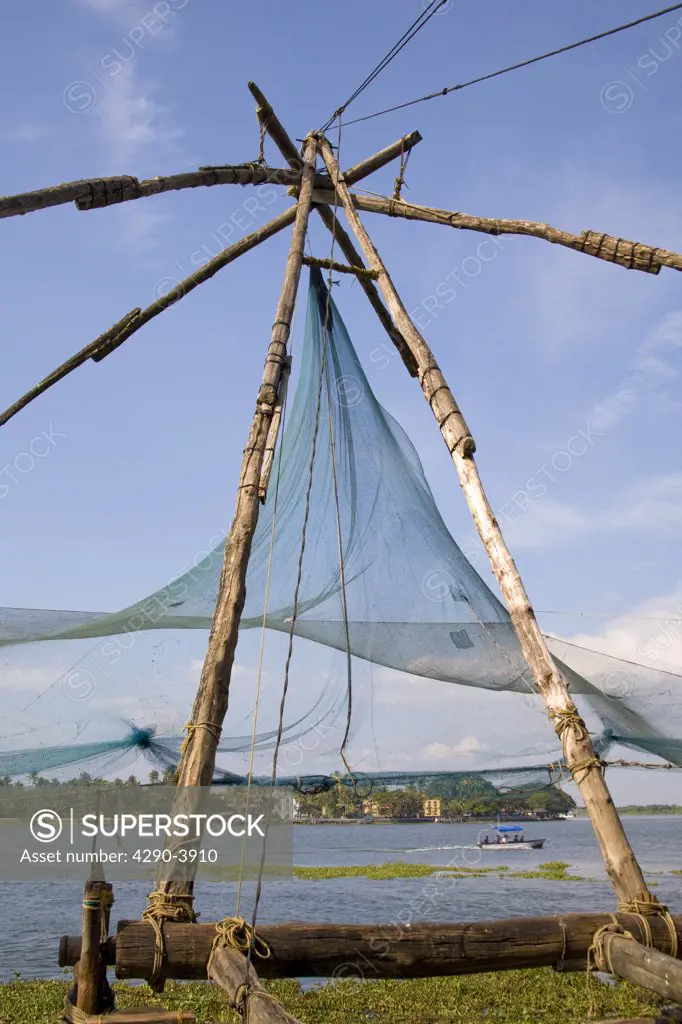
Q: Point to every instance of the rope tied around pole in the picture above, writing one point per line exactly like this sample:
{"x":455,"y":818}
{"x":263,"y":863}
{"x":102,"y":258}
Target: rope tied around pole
{"x":236,"y":933}
{"x":164,"y":907}
{"x":570,"y":719}
{"x":191,"y":727}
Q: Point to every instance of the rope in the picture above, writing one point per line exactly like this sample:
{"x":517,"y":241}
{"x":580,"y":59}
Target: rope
{"x":261,"y":653}
{"x":237,"y":934}
{"x":339,"y":534}
{"x":290,"y":649}
{"x":191,"y":727}
{"x":515,"y":67}
{"x":165,"y":907}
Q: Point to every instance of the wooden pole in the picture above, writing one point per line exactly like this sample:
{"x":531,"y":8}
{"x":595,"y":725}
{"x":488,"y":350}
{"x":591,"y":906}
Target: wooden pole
{"x":197,"y":760}
{"x":95,"y":193}
{"x":238,"y":979}
{"x":114,"y":337}
{"x":619,"y":858}
{"x":90,"y":969}
{"x":273,"y":433}
{"x":279,"y":136}
{"x":632,"y":255}
{"x":418,"y":950}
{"x":649,"y":968}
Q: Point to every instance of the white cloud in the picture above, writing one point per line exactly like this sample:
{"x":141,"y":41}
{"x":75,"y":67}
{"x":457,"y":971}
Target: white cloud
{"x":466,"y":747}
{"x":652,"y":503}
{"x":650,"y":372}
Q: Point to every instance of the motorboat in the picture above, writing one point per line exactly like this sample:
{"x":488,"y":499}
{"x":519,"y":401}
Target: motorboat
{"x":509,"y":837}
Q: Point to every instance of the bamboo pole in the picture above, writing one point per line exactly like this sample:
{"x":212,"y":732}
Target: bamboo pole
{"x":279,"y":136}
{"x":95,"y":193}
{"x":632,"y":255}
{"x":340,"y":268}
{"x":108,"y":342}
{"x":197,"y":760}
{"x":425,"y":949}
{"x":619,"y":858}
{"x":273,"y":432}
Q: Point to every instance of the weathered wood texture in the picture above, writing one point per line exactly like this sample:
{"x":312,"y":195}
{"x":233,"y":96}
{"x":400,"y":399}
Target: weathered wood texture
{"x":273,"y":433}
{"x":387,"y":951}
{"x":108,"y":342}
{"x":94,"y":193}
{"x":632,"y":255}
{"x":619,"y":857}
{"x":238,"y":979}
{"x":91,"y":968}
{"x":649,"y":968}
{"x":284,"y":143}
{"x":197,"y":760}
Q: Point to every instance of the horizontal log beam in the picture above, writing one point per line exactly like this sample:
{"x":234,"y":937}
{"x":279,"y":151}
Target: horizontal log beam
{"x":376,"y":951}
{"x":94,"y":193}
{"x":340,"y":268}
{"x":631,"y":255}
{"x":649,"y":968}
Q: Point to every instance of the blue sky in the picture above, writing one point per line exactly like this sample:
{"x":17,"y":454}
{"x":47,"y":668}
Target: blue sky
{"x":539,"y":343}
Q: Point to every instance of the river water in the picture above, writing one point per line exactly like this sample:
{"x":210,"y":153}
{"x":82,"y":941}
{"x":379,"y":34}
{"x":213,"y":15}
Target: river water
{"x":33,"y":917}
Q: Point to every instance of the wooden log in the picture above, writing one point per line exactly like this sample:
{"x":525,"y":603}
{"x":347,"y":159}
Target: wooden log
{"x":340,"y":268}
{"x":90,"y":967}
{"x":619,"y":858}
{"x":197,"y":759}
{"x":631,"y":255}
{"x":421,"y":950}
{"x":238,"y":979}
{"x":95,"y":193}
{"x":142,"y":1015}
{"x":279,"y":136}
{"x":649,"y":968}
{"x":114,"y":337}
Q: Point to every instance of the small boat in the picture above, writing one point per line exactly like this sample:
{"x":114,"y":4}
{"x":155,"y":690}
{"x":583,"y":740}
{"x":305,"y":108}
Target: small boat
{"x":509,"y":837}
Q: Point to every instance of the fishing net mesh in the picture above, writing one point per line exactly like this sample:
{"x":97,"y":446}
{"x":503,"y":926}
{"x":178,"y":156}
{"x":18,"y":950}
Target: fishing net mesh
{"x":414,"y":602}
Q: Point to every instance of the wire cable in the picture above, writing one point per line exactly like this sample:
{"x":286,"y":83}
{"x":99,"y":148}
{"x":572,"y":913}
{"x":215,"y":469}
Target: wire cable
{"x":405,"y":38}
{"x":515,"y":67}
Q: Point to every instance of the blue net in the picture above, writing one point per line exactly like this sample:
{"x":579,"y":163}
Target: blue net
{"x":414,"y":602}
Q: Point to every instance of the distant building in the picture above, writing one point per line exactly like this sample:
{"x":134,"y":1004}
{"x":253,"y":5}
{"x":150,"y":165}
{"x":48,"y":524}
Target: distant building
{"x":432,"y":808}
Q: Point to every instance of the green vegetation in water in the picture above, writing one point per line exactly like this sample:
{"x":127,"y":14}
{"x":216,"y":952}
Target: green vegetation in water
{"x":508,"y":997}
{"x":554,"y":870}
{"x":650,"y":809}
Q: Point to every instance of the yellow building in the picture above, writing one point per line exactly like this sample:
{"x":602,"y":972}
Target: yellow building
{"x":432,"y":808}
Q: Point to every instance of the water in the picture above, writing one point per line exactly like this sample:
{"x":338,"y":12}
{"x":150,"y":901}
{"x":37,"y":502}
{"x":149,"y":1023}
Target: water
{"x":32,"y":917}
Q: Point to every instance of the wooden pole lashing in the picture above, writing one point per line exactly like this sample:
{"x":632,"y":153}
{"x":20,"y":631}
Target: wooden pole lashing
{"x":621,"y":864}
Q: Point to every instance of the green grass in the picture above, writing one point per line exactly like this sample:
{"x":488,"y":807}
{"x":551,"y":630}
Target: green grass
{"x":554,"y":870}
{"x":510,"y":997}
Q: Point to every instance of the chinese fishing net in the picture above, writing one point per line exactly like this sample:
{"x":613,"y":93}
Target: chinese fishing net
{"x":414,"y":603}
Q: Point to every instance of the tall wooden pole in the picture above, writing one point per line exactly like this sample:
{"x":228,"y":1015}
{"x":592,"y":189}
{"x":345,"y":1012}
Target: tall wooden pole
{"x":620,"y":861}
{"x":198,"y":757}
{"x":275,"y":129}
